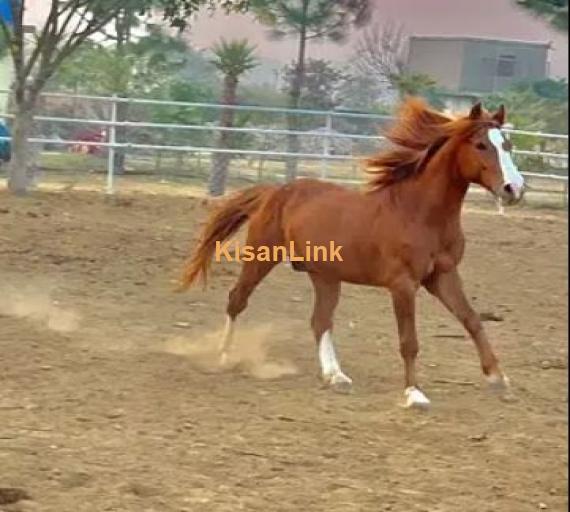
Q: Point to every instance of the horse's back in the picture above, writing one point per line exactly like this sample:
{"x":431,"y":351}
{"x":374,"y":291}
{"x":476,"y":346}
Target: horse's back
{"x":304,"y":192}
{"x":316,"y":186}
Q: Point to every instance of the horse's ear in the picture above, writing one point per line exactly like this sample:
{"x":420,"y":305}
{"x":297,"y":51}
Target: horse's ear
{"x":501,"y":115}
{"x":476,"y":111}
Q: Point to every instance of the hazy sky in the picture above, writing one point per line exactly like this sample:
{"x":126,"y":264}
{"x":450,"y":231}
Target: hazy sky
{"x":489,"y":18}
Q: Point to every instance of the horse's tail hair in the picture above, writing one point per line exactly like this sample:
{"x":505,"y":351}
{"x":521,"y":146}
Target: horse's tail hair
{"x":223,"y":222}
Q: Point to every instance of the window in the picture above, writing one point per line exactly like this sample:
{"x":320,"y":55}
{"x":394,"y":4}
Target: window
{"x":506,"y":65}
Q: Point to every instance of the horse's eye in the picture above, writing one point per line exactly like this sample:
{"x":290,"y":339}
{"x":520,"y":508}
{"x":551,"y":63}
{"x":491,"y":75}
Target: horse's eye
{"x":481,"y":146}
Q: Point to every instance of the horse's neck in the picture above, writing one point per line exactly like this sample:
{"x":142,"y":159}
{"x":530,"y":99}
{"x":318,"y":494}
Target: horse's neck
{"x":438,"y":191}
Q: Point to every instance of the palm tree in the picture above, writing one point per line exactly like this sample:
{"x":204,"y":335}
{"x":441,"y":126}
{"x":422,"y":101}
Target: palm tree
{"x":233,"y":59}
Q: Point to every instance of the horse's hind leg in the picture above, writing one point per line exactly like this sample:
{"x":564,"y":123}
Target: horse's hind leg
{"x":326,"y":299}
{"x":252,"y":273}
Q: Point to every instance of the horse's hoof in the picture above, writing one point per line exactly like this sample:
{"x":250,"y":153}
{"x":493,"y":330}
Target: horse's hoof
{"x":339,"y":383}
{"x":415,"y":399}
{"x":509,"y":398}
{"x":498,"y":383}
{"x":224,"y":360}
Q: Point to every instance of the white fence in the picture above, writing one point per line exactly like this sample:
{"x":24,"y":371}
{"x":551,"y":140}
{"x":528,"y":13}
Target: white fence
{"x":326,"y":151}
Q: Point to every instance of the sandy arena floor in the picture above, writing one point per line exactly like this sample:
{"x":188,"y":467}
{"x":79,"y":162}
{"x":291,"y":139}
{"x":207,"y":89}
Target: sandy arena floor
{"x":109,"y":400}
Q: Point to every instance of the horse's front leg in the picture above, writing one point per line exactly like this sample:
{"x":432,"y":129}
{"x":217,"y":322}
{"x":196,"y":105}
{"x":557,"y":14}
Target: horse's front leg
{"x":448,"y":288}
{"x":404,"y":302}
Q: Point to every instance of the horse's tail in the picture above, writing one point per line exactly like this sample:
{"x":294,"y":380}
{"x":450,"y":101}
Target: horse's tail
{"x":222,"y":223}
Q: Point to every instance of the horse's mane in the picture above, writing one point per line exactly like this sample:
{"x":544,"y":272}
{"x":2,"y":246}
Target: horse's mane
{"x":416,"y":136}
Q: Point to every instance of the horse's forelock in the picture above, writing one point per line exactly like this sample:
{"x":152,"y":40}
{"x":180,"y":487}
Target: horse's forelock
{"x":417,"y":135}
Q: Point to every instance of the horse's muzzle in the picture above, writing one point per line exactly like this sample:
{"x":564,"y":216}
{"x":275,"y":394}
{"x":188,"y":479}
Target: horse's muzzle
{"x":511,"y":194}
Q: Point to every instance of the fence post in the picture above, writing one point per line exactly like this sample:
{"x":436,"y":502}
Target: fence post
{"x":326,"y":146}
{"x":111,"y":139}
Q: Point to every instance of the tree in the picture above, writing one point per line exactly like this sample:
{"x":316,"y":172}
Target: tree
{"x":187,"y":92}
{"x":381,"y":52}
{"x":538,"y":106}
{"x":233,"y":59}
{"x":360,"y":92}
{"x":308,"y":20}
{"x":414,"y":84}
{"x":69,"y":24}
{"x":320,"y":86}
{"x":555,"y":12}
{"x":551,"y":89}
{"x":133,"y":68}
{"x":141,"y":68}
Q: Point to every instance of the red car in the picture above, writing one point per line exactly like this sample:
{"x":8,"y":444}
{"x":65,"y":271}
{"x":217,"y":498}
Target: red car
{"x":89,"y":135}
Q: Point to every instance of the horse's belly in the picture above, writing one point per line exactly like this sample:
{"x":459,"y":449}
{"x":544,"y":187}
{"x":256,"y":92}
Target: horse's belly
{"x":350,"y":270}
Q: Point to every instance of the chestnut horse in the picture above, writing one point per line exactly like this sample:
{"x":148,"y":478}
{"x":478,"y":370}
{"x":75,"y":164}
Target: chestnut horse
{"x":401,"y":233}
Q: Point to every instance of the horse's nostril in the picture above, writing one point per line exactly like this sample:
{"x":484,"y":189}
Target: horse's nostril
{"x":508,"y":188}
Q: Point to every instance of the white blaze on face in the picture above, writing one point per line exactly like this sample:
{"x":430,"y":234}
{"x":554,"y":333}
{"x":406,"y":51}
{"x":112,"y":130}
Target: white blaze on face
{"x":511,"y":174}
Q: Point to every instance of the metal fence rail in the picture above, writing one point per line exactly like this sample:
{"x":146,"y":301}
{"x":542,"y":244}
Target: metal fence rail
{"x":325,"y":133}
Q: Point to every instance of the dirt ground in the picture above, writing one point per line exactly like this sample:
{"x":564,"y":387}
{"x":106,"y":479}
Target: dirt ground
{"x":109,"y":400}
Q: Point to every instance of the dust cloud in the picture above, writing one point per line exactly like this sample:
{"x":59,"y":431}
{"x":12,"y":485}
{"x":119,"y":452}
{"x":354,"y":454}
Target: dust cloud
{"x":249,"y":353}
{"x":36,"y":304}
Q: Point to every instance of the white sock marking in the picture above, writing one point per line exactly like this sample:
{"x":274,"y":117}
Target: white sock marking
{"x":227,"y":339}
{"x":415,"y":398}
{"x":327,"y":355}
{"x":497,"y":379}
{"x":330,"y":367}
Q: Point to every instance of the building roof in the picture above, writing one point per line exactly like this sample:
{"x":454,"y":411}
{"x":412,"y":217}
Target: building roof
{"x":547,"y":44}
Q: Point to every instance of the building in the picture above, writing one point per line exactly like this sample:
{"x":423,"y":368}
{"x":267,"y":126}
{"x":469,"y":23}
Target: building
{"x":470,"y":66}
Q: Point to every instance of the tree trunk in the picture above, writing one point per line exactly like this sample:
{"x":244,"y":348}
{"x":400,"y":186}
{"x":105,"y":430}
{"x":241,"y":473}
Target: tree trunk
{"x":221,"y":161}
{"x":219,"y":176}
{"x":293,"y":144}
{"x":18,"y":180}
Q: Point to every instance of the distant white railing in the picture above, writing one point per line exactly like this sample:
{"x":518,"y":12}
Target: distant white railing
{"x":327,"y":134}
